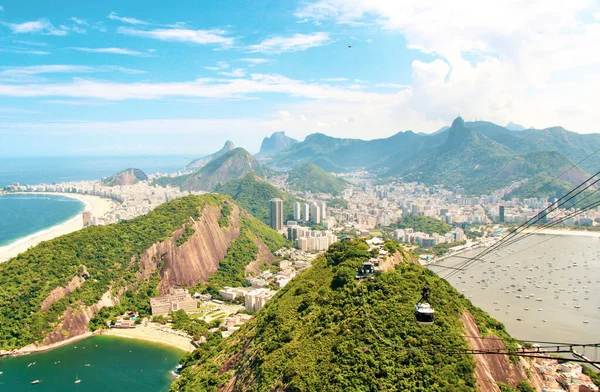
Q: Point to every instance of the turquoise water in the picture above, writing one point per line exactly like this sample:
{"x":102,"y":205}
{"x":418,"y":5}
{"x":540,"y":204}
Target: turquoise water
{"x":115,"y":364}
{"x":23,"y":215}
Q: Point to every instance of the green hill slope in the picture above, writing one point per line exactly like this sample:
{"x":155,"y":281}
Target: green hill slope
{"x":126,"y":177}
{"x":326,"y":332}
{"x":117,"y":261}
{"x":310,"y":177}
{"x":231,"y":165}
{"x":253,"y":194}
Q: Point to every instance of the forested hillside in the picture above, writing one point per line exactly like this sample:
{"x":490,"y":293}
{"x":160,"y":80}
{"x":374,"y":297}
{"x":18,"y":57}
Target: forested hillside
{"x":310,"y":177}
{"x":326,"y":332}
{"x":42,"y":288}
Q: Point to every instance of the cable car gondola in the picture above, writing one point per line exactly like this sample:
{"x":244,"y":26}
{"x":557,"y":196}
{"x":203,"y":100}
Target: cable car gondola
{"x":366,"y":271}
{"x":424,"y":312}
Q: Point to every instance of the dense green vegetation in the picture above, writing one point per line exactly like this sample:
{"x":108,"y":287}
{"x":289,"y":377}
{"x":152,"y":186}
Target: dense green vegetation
{"x":253,"y":194}
{"x":424,"y":224}
{"x":318,"y":334}
{"x":109,"y":254}
{"x":310,"y":177}
{"x":188,"y":230}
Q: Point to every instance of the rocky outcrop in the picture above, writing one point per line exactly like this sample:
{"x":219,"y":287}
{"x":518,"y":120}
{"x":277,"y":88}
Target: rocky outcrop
{"x":264,"y":256}
{"x":198,"y":163}
{"x":490,"y":369}
{"x":400,"y":256}
{"x":276,"y":143}
{"x":61,"y":292}
{"x":126,"y":177}
{"x":75,"y":321}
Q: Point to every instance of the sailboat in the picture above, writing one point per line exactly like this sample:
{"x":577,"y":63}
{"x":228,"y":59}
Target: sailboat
{"x":77,"y":380}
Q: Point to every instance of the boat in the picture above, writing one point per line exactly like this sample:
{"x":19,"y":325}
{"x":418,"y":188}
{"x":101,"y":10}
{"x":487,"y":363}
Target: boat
{"x":77,"y":380}
{"x":36,"y":382}
{"x":576,"y":306}
{"x":31,"y":364}
{"x":87,"y":364}
{"x":585,"y":321}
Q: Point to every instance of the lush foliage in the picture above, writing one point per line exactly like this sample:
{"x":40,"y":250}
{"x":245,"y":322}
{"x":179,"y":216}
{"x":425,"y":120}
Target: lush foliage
{"x":337,"y":202}
{"x":324,"y":331}
{"x":225,"y":212}
{"x":193,"y":327}
{"x":424,"y":224}
{"x":188,"y":230}
{"x":109,"y":254}
{"x":439,"y":249}
{"x":310,"y":177}
{"x":253,"y":194}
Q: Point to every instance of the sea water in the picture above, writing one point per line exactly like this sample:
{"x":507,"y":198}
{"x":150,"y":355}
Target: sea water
{"x":25,"y":214}
{"x":102,"y":363}
{"x":545,"y":287}
{"x":46,"y":170}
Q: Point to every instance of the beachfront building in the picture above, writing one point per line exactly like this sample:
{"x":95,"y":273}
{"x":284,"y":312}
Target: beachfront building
{"x":178,"y":299}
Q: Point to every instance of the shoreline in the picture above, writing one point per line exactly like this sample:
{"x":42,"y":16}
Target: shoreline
{"x":97,"y":205}
{"x":153,"y":335}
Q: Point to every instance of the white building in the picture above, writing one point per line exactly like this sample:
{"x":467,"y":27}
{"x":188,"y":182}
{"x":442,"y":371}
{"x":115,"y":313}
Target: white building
{"x":256,"y":299}
{"x":297,"y":212}
{"x":315,"y":213}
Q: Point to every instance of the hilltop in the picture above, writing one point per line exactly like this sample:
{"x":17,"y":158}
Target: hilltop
{"x":276,"y":143}
{"x":310,"y":177}
{"x":324,"y":331}
{"x":126,"y":177}
{"x":45,"y":297}
{"x":232,"y":165}
{"x":253,"y":194}
{"x":198,"y":163}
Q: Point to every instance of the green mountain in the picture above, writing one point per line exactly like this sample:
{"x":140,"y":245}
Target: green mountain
{"x":60,"y":288}
{"x":198,"y":163}
{"x":232,"y":165}
{"x":480,"y":156}
{"x":310,"y":177}
{"x":324,"y":331}
{"x":276,"y":143}
{"x":253,"y":194}
{"x":126,"y":177}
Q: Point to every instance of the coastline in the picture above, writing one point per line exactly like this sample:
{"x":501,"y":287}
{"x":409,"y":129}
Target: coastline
{"x":97,"y":205}
{"x":154,"y":335}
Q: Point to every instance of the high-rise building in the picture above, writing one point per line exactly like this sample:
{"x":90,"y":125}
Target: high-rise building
{"x":306,"y":212}
{"x":276,"y":207}
{"x":315,"y":213}
{"x":323,"y":209}
{"x":501,"y":218}
{"x":297,"y":214}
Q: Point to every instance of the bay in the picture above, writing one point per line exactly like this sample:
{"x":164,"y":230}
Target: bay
{"x":114,"y":363}
{"x":545,"y":287}
{"x":22,"y":215}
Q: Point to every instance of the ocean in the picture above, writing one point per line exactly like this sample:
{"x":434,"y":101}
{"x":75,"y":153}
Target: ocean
{"x":114,"y":364}
{"x":544,"y":287}
{"x":22,"y":215}
{"x":46,"y":170}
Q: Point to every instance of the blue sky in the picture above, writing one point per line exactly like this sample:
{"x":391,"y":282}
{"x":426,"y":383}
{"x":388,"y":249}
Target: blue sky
{"x":144,"y":77}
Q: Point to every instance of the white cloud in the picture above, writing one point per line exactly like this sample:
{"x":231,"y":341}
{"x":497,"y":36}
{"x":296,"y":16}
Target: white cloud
{"x":235,"y":73}
{"x":30,"y":74}
{"x":25,"y":51}
{"x":530,"y":62}
{"x":200,"y":88}
{"x":220,"y":65}
{"x":30,"y":43}
{"x":79,"y":21}
{"x":113,"y":16}
{"x":202,"y":37}
{"x":41,"y":26}
{"x":392,"y":85}
{"x":294,"y":43}
{"x":127,"y":52}
{"x":253,"y":61}
{"x":334,"y":80}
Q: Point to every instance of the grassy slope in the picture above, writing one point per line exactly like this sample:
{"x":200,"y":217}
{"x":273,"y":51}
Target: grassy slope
{"x":316,"y":335}
{"x":253,"y":194}
{"x":106,"y":251}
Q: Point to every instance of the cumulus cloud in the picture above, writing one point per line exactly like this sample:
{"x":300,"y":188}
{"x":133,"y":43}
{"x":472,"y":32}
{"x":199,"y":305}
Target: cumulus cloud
{"x":528,"y":61}
{"x":294,"y":43}
{"x":201,"y":37}
{"x":254,"y":61}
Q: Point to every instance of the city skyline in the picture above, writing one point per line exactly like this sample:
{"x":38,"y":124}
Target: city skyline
{"x":120,"y":79}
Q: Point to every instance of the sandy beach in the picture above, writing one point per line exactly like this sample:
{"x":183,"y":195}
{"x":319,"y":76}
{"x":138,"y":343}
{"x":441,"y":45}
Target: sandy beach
{"x":97,"y":205}
{"x":153,"y":333}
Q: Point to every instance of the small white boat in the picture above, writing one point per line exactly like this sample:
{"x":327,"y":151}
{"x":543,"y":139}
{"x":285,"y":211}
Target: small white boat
{"x":36,"y":382}
{"x":77,"y":380}
{"x":576,"y":306}
{"x":585,"y":321}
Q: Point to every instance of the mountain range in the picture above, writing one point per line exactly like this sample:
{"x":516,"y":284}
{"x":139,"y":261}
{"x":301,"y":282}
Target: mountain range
{"x":126,"y":177}
{"x":277,"y":142}
{"x":479,"y":156}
